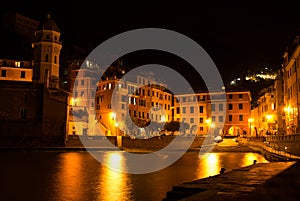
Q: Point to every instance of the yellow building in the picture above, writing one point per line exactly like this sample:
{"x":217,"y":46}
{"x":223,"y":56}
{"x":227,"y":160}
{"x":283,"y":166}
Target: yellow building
{"x":82,"y":117}
{"x":267,"y":112}
{"x":291,"y":79}
{"x":14,"y":70}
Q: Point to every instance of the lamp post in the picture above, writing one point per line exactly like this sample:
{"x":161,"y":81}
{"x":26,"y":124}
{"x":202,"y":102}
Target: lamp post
{"x":116,"y":126}
{"x":269,"y":118}
{"x":250,"y":120}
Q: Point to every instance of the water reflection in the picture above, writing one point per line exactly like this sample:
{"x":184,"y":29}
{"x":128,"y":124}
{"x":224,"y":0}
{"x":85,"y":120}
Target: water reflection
{"x":212,"y":163}
{"x":70,"y":176}
{"x":114,"y":185}
{"x":78,"y":176}
{"x":209,"y":165}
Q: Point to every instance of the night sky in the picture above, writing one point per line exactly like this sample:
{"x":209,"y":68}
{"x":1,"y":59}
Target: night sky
{"x":236,"y":35}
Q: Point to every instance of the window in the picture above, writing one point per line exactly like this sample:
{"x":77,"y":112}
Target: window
{"x":23,"y":114}
{"x":240,"y":117}
{"x":220,"y":118}
{"x":22,"y":74}
{"x":183,"y":99}
{"x":192,"y":109}
{"x":240,"y":95}
{"x":123,"y":106}
{"x":3,"y":73}
{"x":230,"y":106}
{"x":200,"y":109}
{"x":220,"y":107}
{"x":124,"y":98}
{"x":201,"y":120}
{"x":82,"y":82}
{"x":201,"y":128}
{"x":82,"y":93}
{"x":191,"y":120}
{"x":213,"y":107}
{"x":178,"y":110}
{"x":46,"y":58}
{"x":230,"y":96}
{"x":230,"y":117}
{"x":183,"y":110}
{"x":213,"y":118}
{"x":240,"y":106}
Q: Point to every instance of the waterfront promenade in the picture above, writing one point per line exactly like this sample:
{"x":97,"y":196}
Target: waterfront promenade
{"x":260,"y":181}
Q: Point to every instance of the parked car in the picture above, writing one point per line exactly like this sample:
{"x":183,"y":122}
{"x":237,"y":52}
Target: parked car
{"x":218,"y":139}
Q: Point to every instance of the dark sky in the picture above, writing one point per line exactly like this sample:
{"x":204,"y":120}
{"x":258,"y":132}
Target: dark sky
{"x":236,"y":35}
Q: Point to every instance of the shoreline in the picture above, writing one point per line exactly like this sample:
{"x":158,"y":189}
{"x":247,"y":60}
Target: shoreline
{"x":215,"y":149}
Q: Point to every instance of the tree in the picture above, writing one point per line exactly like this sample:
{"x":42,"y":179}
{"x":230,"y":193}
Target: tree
{"x":172,"y":126}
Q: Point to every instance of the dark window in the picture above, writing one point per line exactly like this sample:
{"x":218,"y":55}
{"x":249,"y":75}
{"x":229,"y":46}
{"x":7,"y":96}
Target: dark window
{"x":192,"y":109}
{"x":230,"y":106}
{"x":23,"y":114}
{"x":240,"y":95}
{"x":213,"y":107}
{"x":240,"y":106}
{"x":3,"y":73}
{"x":220,"y":107}
{"x":201,"y":120}
{"x":191,"y":120}
{"x":200,"y":109}
{"x":178,"y":110}
{"x":230,"y":117}
{"x":240,"y":117}
{"x":22,"y":74}
{"x":230,"y":96}
{"x":46,"y":58}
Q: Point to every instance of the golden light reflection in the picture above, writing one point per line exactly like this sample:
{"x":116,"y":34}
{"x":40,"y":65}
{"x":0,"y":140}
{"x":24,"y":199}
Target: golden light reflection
{"x":70,"y":176}
{"x":209,"y":165}
{"x":249,"y":158}
{"x":114,"y":185}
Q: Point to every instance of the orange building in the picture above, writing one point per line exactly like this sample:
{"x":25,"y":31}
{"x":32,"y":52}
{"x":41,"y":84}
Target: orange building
{"x":232,"y":112}
{"x":127,"y":107}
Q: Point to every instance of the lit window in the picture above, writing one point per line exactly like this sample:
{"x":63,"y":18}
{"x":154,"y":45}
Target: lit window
{"x":17,"y":64}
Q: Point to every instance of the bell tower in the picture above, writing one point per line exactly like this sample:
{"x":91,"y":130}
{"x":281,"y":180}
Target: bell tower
{"x":46,"y":50}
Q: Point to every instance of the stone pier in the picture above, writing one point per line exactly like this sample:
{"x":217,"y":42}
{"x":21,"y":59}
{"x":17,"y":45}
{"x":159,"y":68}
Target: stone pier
{"x":248,"y":183}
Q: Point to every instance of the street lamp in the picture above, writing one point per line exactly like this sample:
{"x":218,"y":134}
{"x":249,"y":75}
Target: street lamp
{"x":250,"y":120}
{"x":269,"y":118}
{"x":116,"y":126}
